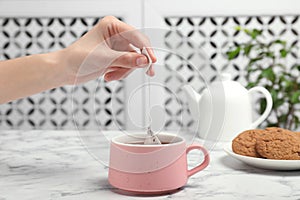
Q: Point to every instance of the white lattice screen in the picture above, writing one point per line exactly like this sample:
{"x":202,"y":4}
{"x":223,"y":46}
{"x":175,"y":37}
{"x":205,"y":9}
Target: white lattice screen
{"x":187,"y":36}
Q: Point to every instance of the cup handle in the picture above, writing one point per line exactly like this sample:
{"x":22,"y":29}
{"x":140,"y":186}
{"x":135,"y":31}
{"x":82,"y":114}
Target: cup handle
{"x":202,"y":165}
{"x":268,"y":109}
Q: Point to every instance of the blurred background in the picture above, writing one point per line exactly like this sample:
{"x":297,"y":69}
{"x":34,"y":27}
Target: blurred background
{"x":195,"y":36}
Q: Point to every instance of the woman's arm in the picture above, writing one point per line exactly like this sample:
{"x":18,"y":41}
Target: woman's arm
{"x":29,"y":75}
{"x":105,"y":49}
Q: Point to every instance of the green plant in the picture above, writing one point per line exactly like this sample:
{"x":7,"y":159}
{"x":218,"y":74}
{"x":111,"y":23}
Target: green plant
{"x":267,"y":66}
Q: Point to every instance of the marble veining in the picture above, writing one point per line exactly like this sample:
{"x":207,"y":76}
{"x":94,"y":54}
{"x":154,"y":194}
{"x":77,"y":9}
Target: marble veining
{"x":56,"y":165}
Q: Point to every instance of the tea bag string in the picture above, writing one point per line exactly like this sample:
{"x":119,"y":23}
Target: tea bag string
{"x":151,"y":139}
{"x":144,"y":51}
{"x":147,"y":111}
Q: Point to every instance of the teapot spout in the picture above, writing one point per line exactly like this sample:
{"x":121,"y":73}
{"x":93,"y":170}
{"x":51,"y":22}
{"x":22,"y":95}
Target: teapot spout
{"x":193,"y":99}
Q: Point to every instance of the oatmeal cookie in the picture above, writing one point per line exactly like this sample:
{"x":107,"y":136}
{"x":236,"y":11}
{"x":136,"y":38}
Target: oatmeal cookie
{"x":278,"y":130}
{"x":280,"y":145}
{"x":298,"y":134}
{"x":245,"y":142}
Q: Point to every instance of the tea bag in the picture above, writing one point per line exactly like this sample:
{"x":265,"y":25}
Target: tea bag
{"x":151,"y":137}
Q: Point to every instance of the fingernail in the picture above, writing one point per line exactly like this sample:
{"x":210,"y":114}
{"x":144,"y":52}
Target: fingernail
{"x":141,"y":61}
{"x":108,"y":77}
{"x":150,"y":72}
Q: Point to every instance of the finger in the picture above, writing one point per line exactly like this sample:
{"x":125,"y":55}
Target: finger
{"x":151,"y":54}
{"x":130,"y":60}
{"x":118,"y":43}
{"x":115,"y":68}
{"x":135,"y":37}
{"x":150,"y":72}
{"x":117,"y":74}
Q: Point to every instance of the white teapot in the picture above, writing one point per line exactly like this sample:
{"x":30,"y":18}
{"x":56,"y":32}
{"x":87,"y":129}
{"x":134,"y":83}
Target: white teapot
{"x":224,"y":109}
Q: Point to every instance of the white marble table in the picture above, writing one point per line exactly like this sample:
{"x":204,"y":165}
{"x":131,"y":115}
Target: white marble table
{"x":55,"y":165}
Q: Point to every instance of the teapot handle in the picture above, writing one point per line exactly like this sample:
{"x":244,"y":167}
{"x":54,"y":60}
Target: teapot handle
{"x":268,"y":109}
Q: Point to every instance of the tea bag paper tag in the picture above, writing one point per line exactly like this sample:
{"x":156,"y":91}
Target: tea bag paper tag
{"x":145,"y":52}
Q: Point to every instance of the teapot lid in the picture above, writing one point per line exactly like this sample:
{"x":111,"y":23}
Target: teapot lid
{"x":230,"y":87}
{"x":226,"y":77}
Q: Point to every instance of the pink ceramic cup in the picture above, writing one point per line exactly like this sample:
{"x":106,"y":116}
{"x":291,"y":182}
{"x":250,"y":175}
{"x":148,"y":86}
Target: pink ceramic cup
{"x":151,"y":168}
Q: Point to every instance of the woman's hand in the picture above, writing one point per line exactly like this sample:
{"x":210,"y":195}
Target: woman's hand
{"x":106,"y":49}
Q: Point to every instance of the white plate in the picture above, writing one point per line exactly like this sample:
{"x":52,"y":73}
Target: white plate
{"x":265,"y":163}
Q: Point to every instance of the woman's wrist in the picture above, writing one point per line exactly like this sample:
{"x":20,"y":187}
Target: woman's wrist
{"x":58,"y":69}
